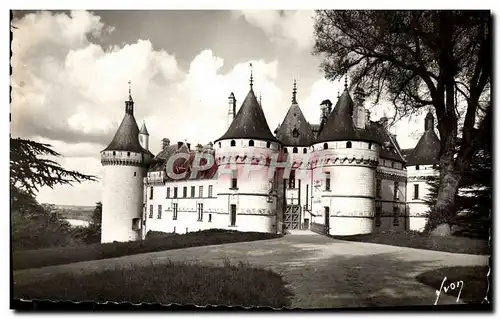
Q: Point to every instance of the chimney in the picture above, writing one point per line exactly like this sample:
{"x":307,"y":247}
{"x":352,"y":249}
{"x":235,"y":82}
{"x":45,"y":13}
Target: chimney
{"x":189,"y":146}
{"x":358,"y":116}
{"x":199,"y":147}
{"x":179,"y":144}
{"x":165,"y":142}
{"x":232,"y":104}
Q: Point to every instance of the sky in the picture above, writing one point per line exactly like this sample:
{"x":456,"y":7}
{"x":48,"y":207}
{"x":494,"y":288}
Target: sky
{"x":70,"y":73}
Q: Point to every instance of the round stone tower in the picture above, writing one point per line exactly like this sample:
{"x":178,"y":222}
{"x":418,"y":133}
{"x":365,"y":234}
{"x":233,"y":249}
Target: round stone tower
{"x":245,"y":184}
{"x":125,"y":163}
{"x":344,"y":168}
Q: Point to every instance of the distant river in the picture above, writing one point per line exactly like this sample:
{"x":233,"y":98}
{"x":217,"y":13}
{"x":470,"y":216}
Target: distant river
{"x":78,"y":222}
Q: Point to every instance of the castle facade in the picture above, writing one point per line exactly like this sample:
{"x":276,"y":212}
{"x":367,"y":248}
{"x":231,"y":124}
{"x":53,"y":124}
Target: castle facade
{"x":346,"y":175}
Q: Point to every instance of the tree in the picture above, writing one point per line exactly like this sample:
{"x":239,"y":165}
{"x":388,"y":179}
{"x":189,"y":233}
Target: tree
{"x":93,"y":230}
{"x":29,"y":171}
{"x":440,"y":59}
{"x":35,"y":225}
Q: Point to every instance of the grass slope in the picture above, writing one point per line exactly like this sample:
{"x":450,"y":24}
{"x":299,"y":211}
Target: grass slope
{"x":65,"y":255}
{"x":419,"y":240}
{"x":475,"y":282}
{"x":171,"y":283}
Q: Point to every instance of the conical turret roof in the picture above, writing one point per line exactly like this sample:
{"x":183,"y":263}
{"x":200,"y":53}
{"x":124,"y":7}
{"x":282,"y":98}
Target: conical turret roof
{"x":339,"y":125}
{"x":295,"y":130}
{"x":427,"y":150}
{"x":127,"y":136}
{"x":144,"y":130}
{"x":249,"y":122}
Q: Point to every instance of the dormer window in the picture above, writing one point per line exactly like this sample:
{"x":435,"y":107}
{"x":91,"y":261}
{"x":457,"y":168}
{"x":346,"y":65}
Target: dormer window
{"x":295,"y":132}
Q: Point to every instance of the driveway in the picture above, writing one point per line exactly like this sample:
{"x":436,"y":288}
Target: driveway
{"x":320,"y":271}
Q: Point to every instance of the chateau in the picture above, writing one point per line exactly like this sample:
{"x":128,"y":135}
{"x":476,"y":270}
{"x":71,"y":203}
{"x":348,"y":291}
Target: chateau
{"x":346,"y":175}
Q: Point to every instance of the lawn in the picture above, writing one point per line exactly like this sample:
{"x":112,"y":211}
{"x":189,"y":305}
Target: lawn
{"x":65,"y":255}
{"x":171,"y":283}
{"x":475,"y":282}
{"x":412,"y":239}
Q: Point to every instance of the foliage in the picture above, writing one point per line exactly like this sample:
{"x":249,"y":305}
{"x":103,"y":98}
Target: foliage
{"x":419,"y":58}
{"x":170,"y":283}
{"x":473,"y":202}
{"x":65,"y":255}
{"x":420,"y":240}
{"x":35,"y":225}
{"x":92,"y":232}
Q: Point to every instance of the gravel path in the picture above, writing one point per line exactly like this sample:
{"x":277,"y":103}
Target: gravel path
{"x":320,"y":271}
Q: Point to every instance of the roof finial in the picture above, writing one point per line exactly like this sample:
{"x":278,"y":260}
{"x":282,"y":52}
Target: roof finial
{"x":338,"y":94}
{"x":345,"y":84}
{"x":294,"y":92}
{"x":260,"y":98}
{"x":251,"y":75}
{"x":129,"y":90}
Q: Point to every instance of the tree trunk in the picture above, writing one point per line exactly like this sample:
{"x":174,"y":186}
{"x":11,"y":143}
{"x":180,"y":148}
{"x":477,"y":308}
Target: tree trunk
{"x":444,"y":211}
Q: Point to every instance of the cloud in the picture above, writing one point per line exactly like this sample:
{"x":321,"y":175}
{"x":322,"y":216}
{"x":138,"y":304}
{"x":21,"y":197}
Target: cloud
{"x":69,"y":91}
{"x":288,"y":27}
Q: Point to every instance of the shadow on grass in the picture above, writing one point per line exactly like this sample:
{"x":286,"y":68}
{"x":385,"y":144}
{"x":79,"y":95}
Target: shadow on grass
{"x":452,"y":244}
{"x":369,"y":280}
{"x":168,"y":283}
{"x":65,"y":255}
{"x":473,"y":279}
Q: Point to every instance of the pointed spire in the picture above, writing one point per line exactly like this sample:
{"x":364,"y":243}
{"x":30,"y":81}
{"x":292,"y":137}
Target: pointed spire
{"x":144,"y":130}
{"x":129,"y":105}
{"x":294,"y":92}
{"x":251,"y":76}
{"x":130,"y":91}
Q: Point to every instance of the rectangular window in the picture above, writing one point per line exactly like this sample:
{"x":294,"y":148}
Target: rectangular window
{"x":136,"y":223}
{"x":291,"y":181}
{"x":209,"y":218}
{"x":234,"y":183}
{"x":378,"y":213}
{"x":174,"y":210}
{"x":201,"y":192}
{"x":192,"y":191}
{"x":151,"y":193}
{"x":159,"y":211}
{"x":175,"y":192}
{"x":168,"y":192}
{"x":200,"y":212}
{"x":396,"y":216}
{"x":415,"y":191}
{"x":184,"y":192}
{"x":378,"y":188}
{"x":210,"y":190}
{"x":233,"y":215}
{"x":150,"y":211}
{"x":396,"y":190}
{"x":327,"y":181}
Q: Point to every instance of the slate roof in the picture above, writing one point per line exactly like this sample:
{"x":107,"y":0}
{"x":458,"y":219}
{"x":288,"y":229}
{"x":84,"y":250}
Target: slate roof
{"x":426,"y":152}
{"x":127,"y":137}
{"x":405,"y":152}
{"x":294,"y":130}
{"x":389,"y":147}
{"x":144,"y":130}
{"x":339,"y":125}
{"x":249,"y":122}
{"x":182,"y":164}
